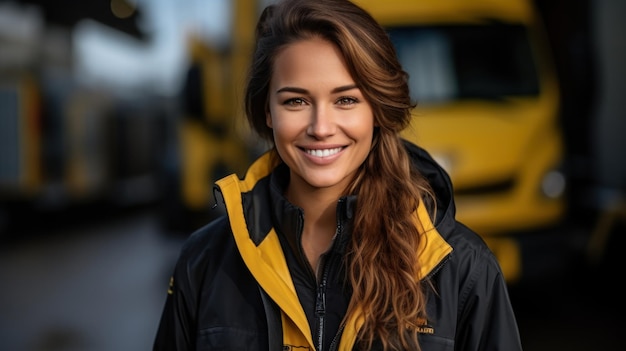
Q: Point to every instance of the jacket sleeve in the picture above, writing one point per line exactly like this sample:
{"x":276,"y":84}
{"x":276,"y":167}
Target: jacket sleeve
{"x":486,"y":317}
{"x":176,"y":329}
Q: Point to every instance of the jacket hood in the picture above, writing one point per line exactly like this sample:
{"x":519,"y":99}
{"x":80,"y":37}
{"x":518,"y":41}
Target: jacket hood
{"x":440,"y":182}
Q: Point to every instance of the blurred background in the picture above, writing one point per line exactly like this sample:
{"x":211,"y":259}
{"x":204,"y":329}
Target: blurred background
{"x":116,"y":116}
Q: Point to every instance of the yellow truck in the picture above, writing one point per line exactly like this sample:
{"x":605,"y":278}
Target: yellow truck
{"x":488,"y":105}
{"x":210,"y":139}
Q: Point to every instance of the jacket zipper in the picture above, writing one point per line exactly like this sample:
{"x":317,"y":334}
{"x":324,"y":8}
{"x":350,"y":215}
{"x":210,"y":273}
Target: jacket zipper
{"x":334,"y":345}
{"x":320,"y":308}
{"x":320,"y":304}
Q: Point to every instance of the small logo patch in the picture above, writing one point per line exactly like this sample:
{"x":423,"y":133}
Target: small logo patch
{"x":424,"y":327}
{"x":170,"y":289}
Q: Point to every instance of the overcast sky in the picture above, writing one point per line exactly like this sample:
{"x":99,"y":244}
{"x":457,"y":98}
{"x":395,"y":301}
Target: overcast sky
{"x":105,"y":55}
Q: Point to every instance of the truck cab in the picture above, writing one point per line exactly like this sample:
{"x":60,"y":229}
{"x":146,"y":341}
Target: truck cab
{"x":487,"y":110}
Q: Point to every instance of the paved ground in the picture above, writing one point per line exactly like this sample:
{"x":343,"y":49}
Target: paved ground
{"x":99,"y":285}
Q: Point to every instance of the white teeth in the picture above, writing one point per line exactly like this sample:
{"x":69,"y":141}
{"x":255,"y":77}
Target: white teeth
{"x":323,"y":152}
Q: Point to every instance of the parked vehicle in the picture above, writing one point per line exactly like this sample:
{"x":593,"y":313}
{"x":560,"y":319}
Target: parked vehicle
{"x":210,"y":137}
{"x":488,"y":105}
{"x":65,"y":144}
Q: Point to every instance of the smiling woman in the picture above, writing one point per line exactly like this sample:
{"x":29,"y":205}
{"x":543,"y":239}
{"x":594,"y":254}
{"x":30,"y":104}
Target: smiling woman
{"x":342,"y":235}
{"x":315,"y":108}
{"x":323,"y":128}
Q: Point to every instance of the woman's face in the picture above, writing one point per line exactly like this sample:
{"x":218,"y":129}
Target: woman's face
{"x":322,"y":124}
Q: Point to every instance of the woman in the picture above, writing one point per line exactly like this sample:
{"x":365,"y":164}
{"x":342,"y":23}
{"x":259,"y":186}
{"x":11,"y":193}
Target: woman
{"x":342,"y":236}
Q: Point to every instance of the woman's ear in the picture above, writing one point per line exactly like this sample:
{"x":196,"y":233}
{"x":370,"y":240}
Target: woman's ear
{"x":268,"y":119}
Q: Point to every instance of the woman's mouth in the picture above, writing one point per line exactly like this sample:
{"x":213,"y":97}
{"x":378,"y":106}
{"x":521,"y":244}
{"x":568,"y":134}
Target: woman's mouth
{"x":323,"y":152}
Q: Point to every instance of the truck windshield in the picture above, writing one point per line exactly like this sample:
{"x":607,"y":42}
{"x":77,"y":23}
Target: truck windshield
{"x":445,"y":63}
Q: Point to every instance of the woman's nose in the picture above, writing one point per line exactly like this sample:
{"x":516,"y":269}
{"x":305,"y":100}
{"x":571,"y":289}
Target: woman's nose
{"x":322,"y":122}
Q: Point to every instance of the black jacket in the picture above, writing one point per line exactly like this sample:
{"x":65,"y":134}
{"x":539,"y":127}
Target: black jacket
{"x":242,"y":283}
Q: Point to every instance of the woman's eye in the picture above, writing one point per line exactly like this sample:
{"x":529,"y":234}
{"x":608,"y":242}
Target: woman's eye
{"x":346,"y":100}
{"x":294,"y":102}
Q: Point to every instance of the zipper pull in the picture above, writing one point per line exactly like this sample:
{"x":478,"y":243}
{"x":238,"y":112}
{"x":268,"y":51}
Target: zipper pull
{"x":320,"y":302}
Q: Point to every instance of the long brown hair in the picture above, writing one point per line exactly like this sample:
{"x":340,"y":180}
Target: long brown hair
{"x":382,"y":259}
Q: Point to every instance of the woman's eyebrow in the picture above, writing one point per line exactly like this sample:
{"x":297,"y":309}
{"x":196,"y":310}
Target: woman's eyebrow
{"x":292,"y":90}
{"x":344,"y":88}
{"x":304,"y":91}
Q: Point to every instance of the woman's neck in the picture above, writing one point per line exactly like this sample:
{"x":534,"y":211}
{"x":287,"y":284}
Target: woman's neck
{"x":320,"y":219}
